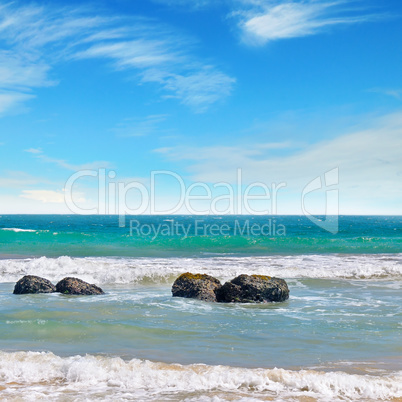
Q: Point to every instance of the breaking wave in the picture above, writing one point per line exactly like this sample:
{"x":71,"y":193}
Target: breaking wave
{"x":16,"y":230}
{"x":43,"y":374}
{"x":164,"y":270}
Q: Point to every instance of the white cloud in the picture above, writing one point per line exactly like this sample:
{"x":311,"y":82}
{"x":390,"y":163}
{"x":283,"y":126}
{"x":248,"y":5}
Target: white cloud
{"x":40,"y":37}
{"x":135,"y":127}
{"x":369,"y":163}
{"x":33,"y":150}
{"x":10,"y":100}
{"x":189,"y":4}
{"x":261,"y":21}
{"x":18,"y":72}
{"x":201,"y":89}
{"x":394,"y":93}
{"x":32,"y":27}
{"x":45,"y":196}
{"x":38,"y":153}
{"x":141,"y":53}
{"x":268,"y":21}
{"x":85,"y":166}
{"x":17,"y":179}
{"x":14,"y":204}
{"x":163,"y":61}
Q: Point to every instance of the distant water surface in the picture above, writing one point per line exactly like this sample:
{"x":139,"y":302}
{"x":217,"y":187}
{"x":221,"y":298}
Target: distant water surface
{"x":57,"y":235}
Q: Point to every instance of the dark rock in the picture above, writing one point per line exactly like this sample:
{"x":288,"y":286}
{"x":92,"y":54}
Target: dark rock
{"x":196,"y":286}
{"x":75,"y":286}
{"x":253,"y":288}
{"x":33,"y":284}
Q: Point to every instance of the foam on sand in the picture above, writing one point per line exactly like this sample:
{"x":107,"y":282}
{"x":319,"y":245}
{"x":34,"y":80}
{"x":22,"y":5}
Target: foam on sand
{"x":41,"y":374}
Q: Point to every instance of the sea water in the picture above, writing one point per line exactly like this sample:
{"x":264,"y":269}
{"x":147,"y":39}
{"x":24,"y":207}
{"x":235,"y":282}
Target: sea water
{"x":338,"y":337}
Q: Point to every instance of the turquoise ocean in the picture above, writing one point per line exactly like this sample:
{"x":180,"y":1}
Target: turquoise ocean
{"x":337,"y":338}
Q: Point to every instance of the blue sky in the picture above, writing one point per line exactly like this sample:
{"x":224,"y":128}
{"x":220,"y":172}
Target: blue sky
{"x":283,"y":90}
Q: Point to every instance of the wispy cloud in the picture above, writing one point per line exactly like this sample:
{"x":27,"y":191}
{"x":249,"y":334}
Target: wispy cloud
{"x":9,"y":100}
{"x":18,"y":72}
{"x":201,"y":89}
{"x":38,"y":153}
{"x":46,"y":196}
{"x":26,"y":31}
{"x":266,"y":21}
{"x":37,"y":38}
{"x":189,"y":4}
{"x":140,"y":53}
{"x":261,"y":21}
{"x":17,"y":179}
{"x":140,"y":127}
{"x":33,"y":150}
{"x":394,"y":93}
{"x":17,"y":186}
{"x":164,"y":62}
{"x":367,"y":175}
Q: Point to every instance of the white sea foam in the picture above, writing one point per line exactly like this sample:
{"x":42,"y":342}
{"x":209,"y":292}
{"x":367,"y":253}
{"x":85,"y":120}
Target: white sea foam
{"x":40,"y":375}
{"x":164,"y":270}
{"x":19,"y":230}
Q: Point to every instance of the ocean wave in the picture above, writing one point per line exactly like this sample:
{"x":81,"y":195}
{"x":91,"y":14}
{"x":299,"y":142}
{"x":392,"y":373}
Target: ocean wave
{"x":42,"y":374}
{"x":20,"y":230}
{"x":164,"y":270}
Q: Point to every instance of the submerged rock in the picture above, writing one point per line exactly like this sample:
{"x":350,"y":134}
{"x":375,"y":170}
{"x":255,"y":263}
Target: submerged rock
{"x":196,"y":286}
{"x":75,"y":286}
{"x":33,"y":284}
{"x":253,"y":288}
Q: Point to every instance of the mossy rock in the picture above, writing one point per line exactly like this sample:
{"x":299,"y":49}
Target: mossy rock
{"x":196,"y":286}
{"x":33,"y":284}
{"x":75,"y":286}
{"x":253,"y":289}
{"x":262,"y":277}
{"x":189,"y":276}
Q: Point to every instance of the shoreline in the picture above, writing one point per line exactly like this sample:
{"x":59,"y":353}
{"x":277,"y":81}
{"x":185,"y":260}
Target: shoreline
{"x":381,"y":367}
{"x":13,"y":256}
{"x":96,"y":377}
